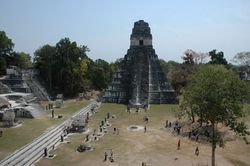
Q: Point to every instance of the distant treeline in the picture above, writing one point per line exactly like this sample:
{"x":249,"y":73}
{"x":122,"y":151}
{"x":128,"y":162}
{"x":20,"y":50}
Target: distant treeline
{"x":66,"y":68}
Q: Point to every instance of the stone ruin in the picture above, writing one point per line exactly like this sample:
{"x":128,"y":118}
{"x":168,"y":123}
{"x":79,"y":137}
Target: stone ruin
{"x":4,"y":88}
{"x":140,"y":80}
{"x":76,"y":125}
{"x":59,"y":101}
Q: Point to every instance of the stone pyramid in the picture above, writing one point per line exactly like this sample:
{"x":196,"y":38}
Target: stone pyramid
{"x":140,"y":80}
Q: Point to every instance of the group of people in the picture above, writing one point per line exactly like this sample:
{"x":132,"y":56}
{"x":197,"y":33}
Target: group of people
{"x":177,"y":126}
{"x":194,"y":135}
{"x":111,"y":158}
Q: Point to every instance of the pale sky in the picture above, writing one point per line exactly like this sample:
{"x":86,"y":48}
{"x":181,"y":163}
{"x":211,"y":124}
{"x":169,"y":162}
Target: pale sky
{"x":105,"y":25}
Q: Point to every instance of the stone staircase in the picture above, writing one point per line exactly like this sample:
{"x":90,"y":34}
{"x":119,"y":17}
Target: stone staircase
{"x":37,"y":89}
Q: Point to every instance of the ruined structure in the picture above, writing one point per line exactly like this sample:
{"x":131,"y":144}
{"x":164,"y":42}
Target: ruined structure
{"x":139,"y":80}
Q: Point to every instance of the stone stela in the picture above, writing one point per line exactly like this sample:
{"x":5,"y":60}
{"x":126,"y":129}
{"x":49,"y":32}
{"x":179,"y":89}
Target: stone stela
{"x":140,"y":80}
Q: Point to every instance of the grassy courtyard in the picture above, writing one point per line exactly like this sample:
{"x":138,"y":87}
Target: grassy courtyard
{"x":14,"y":138}
{"x":156,"y":147}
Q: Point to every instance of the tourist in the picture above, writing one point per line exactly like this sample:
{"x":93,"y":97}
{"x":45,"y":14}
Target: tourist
{"x":179,"y":144}
{"x":111,"y":153}
{"x":87,"y":138}
{"x":145,"y":129}
{"x":52,"y":112}
{"x":170,"y":124}
{"x":178,"y":130}
{"x":196,"y":151}
{"x":166,"y":123}
{"x":86,"y":120}
{"x":105,"y":156}
{"x":111,"y":156}
{"x":45,"y":152}
{"x":114,"y":130}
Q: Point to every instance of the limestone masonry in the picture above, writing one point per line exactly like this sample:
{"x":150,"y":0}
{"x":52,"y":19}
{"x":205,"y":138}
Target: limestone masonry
{"x":139,"y":80}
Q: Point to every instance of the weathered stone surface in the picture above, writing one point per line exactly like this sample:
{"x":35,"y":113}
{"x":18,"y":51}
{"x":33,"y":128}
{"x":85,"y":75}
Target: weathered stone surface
{"x":4,"y":88}
{"x":139,"y":80}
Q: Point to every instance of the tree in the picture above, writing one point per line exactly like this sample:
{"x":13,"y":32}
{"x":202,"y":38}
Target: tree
{"x":64,"y":67}
{"x":193,"y":57}
{"x":44,"y":60}
{"x":168,"y":68}
{"x":6,"y":45}
{"x":98,"y":78}
{"x":217,"y":58}
{"x":188,"y":57}
{"x":6,"y":49}
{"x":102,"y":73}
{"x":218,"y":97}
{"x":68,"y":58}
{"x":180,"y":74}
{"x":22,"y":60}
{"x":2,"y":65}
{"x":242,"y":59}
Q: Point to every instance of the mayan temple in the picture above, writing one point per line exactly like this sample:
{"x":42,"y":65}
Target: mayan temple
{"x":140,"y":80}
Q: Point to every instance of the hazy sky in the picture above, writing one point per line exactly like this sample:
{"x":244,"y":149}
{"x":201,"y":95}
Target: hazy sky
{"x":105,"y":25}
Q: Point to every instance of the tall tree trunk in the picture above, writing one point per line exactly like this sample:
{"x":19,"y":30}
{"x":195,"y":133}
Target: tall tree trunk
{"x":213,"y":145}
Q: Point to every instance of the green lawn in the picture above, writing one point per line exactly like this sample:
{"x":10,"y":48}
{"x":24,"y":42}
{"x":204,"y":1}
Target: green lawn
{"x":14,"y":138}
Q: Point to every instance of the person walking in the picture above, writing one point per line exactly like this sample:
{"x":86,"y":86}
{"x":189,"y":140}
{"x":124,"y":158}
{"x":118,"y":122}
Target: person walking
{"x":52,"y":112}
{"x":196,"y":151}
{"x":179,"y":144}
{"x":111,"y":153}
{"x":105,"y":156}
{"x":145,"y":129}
